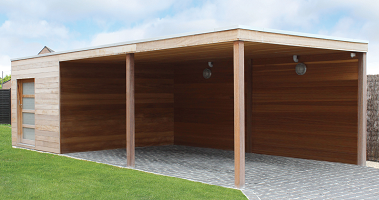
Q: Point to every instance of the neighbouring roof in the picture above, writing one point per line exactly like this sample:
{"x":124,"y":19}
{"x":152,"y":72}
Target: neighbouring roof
{"x":46,"y":50}
{"x":244,"y":33}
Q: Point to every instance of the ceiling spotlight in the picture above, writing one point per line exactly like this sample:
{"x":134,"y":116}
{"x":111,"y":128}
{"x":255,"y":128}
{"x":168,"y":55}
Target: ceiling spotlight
{"x":295,"y":58}
{"x":300,"y":69}
{"x":210,"y":64}
{"x":352,"y":55}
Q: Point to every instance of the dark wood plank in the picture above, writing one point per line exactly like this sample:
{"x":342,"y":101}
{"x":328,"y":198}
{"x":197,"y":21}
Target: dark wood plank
{"x":248,"y":105}
{"x":204,"y":107}
{"x":94,"y":108}
{"x":313,"y":116}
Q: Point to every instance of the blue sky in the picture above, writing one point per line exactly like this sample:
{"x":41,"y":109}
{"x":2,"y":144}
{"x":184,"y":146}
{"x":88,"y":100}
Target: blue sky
{"x":27,"y":26}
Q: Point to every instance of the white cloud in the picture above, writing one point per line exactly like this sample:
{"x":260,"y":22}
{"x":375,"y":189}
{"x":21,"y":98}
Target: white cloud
{"x":33,"y":29}
{"x":119,"y":36}
{"x":22,"y":38}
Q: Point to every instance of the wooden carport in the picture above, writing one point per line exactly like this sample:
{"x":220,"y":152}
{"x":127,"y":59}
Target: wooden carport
{"x":249,"y":65}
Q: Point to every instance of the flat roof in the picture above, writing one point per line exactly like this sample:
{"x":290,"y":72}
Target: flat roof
{"x":252,"y":35}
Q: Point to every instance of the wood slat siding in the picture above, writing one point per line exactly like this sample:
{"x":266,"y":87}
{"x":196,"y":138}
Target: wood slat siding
{"x":45,"y":72}
{"x":93,"y":108}
{"x":313,"y":116}
{"x":204,"y":107}
{"x":154,"y":104}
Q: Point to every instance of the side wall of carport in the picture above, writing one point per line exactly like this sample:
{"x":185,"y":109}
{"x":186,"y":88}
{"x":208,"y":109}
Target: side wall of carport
{"x":312,"y":116}
{"x":93,"y":106}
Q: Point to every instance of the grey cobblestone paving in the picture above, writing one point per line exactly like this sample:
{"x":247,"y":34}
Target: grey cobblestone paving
{"x":267,"y":177}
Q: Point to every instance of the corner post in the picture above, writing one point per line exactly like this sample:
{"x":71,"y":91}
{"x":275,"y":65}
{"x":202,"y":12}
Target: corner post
{"x":130,"y":122}
{"x":239,"y":114}
{"x":362,"y":109}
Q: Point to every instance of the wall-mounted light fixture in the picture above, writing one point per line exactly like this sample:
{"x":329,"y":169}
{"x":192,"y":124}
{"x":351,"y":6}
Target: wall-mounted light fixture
{"x":207,"y":73}
{"x":300,"y":69}
{"x":295,"y":58}
{"x":210,"y":64}
{"x":352,"y":55}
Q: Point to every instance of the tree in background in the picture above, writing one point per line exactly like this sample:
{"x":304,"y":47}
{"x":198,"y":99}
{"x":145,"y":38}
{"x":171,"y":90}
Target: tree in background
{"x":6,"y":78}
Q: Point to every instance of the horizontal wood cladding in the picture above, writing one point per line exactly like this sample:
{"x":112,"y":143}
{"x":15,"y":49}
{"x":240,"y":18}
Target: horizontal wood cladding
{"x":204,"y":107}
{"x":45,"y":72}
{"x":154,"y":104}
{"x":93,"y":107}
{"x":312,"y":116}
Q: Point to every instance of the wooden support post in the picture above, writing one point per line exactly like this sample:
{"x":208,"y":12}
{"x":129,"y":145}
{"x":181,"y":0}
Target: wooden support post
{"x":130,"y":122}
{"x":249,"y":106}
{"x":362,"y":109}
{"x":239,"y":114}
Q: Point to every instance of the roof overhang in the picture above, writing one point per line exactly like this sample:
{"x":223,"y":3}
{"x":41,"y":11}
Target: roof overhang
{"x":217,"y":37}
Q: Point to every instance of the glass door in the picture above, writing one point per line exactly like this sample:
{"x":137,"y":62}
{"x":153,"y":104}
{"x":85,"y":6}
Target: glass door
{"x":26,"y":111}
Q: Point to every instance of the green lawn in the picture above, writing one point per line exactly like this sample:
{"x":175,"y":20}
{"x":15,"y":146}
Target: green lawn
{"x":32,"y":175}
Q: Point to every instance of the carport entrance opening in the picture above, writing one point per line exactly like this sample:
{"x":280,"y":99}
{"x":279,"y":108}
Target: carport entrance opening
{"x":174,"y":104}
{"x":311,"y":116}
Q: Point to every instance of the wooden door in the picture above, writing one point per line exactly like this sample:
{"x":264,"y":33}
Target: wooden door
{"x":26,"y":111}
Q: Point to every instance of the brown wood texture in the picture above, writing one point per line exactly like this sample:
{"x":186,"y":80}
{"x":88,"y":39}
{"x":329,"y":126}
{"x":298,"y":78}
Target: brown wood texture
{"x":198,"y":53}
{"x":93,"y":108}
{"x":154,"y":104}
{"x":204,"y":107}
{"x":239,"y":114}
{"x":130,"y":115}
{"x":313,"y":116}
{"x":248,"y":105}
{"x":362,"y":109}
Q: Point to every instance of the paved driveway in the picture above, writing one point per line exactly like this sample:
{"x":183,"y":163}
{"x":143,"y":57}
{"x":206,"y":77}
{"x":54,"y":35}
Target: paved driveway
{"x":267,"y":177}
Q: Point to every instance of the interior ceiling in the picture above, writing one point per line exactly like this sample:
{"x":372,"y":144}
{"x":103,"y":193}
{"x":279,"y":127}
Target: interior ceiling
{"x":253,"y":50}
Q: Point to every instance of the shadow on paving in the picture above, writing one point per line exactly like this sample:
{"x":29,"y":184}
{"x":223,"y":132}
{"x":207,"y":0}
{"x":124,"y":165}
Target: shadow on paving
{"x":267,"y":177}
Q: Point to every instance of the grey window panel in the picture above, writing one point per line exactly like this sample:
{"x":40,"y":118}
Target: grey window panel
{"x":28,"y":88}
{"x":28,"y":103}
{"x":28,"y":118}
{"x":28,"y":133}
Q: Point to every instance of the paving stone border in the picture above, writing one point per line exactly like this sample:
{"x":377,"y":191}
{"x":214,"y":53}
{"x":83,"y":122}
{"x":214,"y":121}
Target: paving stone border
{"x":267,"y":177}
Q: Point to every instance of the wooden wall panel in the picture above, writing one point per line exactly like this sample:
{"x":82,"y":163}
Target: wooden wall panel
{"x":313,"y":116}
{"x":93,"y":106}
{"x":154,"y":104}
{"x":204,"y":107}
{"x":45,"y":72}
